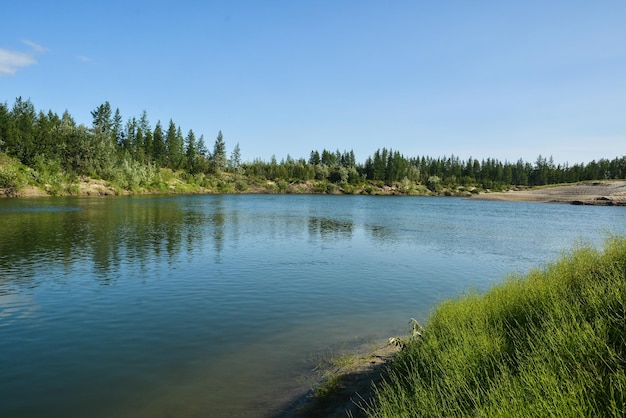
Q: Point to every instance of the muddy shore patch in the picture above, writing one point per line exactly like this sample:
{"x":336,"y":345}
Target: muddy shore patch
{"x":346,"y":389}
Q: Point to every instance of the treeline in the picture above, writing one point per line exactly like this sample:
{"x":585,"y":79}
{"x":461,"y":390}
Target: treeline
{"x":30,"y":135}
{"x":392,"y":167}
{"x":132,"y":152}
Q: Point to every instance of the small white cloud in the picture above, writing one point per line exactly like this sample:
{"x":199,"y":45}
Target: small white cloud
{"x":35,"y":46}
{"x":11,"y":61}
{"x":83,"y":58}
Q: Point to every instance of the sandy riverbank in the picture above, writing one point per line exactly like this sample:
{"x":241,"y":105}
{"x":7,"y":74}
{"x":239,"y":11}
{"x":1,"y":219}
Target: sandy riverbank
{"x":599,"y":193}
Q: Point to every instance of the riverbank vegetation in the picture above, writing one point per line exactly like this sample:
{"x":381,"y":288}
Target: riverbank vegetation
{"x":55,"y":154}
{"x":552,"y":343}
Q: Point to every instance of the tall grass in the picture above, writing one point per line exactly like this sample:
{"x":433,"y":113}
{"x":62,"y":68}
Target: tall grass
{"x":548,"y":344}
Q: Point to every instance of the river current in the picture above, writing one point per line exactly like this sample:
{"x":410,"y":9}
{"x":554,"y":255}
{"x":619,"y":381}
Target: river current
{"x":156,"y":306}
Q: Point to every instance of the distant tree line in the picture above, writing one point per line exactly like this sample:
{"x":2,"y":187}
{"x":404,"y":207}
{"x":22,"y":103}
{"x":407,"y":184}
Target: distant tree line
{"x":133,"y":150}
{"x":390,"y":167}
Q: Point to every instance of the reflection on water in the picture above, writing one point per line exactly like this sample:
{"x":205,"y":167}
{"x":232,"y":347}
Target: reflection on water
{"x":217,"y":305}
{"x":327,"y":228}
{"x":109,"y":232}
{"x":105,"y":233}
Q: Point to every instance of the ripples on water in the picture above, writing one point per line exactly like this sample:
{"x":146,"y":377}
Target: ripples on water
{"x":221,"y":305}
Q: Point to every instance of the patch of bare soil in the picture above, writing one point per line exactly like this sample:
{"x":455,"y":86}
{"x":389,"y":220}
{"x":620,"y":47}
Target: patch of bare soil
{"x":86,"y":187}
{"x":29,"y":191}
{"x":352,"y":391}
{"x":605,"y":193}
{"x":92,"y":187}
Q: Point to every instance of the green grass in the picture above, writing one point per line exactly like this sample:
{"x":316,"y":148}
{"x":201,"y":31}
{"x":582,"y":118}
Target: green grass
{"x":548,"y":344}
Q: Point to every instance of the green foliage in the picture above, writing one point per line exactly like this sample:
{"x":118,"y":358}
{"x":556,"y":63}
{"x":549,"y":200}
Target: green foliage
{"x":102,"y":119}
{"x":241,"y":185}
{"x":323,"y":187}
{"x":192,"y":154}
{"x":434,"y":183}
{"x":117,"y":152}
{"x":406,"y":186}
{"x":158,"y":145}
{"x":49,"y":175}
{"x":321,"y":172}
{"x":174,"y":147}
{"x":129,"y":174}
{"x":226,"y":185}
{"x":219,"y":153}
{"x":235,"y":160}
{"x":348,"y":188}
{"x":13,"y":175}
{"x":550,"y":344}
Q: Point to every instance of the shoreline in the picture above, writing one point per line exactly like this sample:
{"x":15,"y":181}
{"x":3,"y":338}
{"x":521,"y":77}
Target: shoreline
{"x":346,"y":385}
{"x":593,"y":193}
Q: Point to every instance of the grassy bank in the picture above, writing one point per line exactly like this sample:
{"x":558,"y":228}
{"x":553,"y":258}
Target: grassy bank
{"x":552,"y":343}
{"x":47,"y":178}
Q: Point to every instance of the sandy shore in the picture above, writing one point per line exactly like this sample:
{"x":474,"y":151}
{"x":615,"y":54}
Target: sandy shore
{"x":599,"y":193}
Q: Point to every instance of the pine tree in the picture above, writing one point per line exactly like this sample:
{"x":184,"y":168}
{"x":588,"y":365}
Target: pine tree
{"x":158,"y":144}
{"x":314,"y":159}
{"x":219,"y":154}
{"x":191,"y":153}
{"x":5,"y":118}
{"x":118,"y":132}
{"x":235,"y":159}
{"x":203,"y":155}
{"x":20,"y":138}
{"x":174,"y":146}
{"x":180,"y":149}
{"x":144,"y":138}
{"x":102,"y":118}
{"x":130,"y":135}
{"x":138,"y":148}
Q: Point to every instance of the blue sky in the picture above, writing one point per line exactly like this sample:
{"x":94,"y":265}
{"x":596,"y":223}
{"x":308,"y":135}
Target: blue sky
{"x":499,"y":79}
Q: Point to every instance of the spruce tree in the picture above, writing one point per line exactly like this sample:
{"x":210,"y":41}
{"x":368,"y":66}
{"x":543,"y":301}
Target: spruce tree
{"x":235,"y":159}
{"x":219,"y":154}
{"x":102,"y":118}
{"x":191,"y":153}
{"x":130,"y":136}
{"x":158,"y":144}
{"x":118,"y":132}
{"x":144,"y":137}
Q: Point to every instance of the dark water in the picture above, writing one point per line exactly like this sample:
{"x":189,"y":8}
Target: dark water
{"x":222,"y":305}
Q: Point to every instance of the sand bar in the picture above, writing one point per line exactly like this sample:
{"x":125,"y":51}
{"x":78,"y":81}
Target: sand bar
{"x":598,"y":193}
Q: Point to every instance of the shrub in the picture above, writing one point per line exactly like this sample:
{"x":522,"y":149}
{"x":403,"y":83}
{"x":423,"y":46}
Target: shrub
{"x":13,"y":176}
{"x":434,"y":184}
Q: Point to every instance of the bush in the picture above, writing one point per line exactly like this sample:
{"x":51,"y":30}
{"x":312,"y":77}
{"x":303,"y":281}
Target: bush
{"x":131,"y":175}
{"x":321,"y":172}
{"x":322,"y":187}
{"x":241,"y":185}
{"x":13,"y":176}
{"x":434,"y":184}
{"x":406,"y":186}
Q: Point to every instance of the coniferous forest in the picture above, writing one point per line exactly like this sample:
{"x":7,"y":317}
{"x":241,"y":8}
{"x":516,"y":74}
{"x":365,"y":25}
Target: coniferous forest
{"x":54,"y":153}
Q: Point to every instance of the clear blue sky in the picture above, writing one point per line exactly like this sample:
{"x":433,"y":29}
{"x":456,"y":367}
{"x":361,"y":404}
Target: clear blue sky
{"x":470,"y":78}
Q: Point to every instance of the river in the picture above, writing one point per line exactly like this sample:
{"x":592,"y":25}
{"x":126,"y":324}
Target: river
{"x":157,"y":306}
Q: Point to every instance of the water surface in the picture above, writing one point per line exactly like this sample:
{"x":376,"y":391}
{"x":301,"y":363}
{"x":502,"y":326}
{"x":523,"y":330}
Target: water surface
{"x":216,"y":306}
